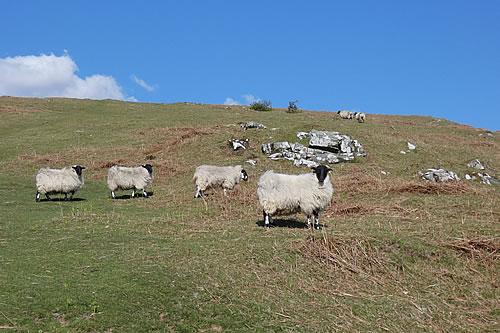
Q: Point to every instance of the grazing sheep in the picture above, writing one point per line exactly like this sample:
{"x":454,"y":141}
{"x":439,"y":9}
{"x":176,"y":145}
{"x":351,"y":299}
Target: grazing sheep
{"x":344,"y":114}
{"x":55,"y":181}
{"x":360,"y":117}
{"x":227,"y":177}
{"x":130,"y":178}
{"x":283,"y":194}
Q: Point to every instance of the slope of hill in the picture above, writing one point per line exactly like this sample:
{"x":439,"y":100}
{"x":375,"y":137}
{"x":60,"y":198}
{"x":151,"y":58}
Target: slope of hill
{"x":395,"y":253}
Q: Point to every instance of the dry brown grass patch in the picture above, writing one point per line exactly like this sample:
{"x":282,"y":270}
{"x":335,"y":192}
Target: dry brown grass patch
{"x":356,"y":255}
{"x":479,"y":247}
{"x":176,"y":136}
{"x":109,"y":164}
{"x":346,"y":209}
{"x":361,"y":181}
{"x":357,"y":180}
{"x":43,"y":159}
{"x":12,"y":109}
{"x":455,"y":187}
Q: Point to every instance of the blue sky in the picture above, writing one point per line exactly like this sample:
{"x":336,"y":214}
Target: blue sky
{"x":439,"y":58}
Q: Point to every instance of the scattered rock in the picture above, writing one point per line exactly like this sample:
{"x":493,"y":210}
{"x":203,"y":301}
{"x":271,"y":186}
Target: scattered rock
{"x":476,"y":164}
{"x":304,"y":162}
{"x":252,"y":124}
{"x":384,"y":172}
{"x":411,"y":146}
{"x":251,"y":162}
{"x":238,"y":144}
{"x":487,"y":179}
{"x":324,"y":147}
{"x":402,"y":152}
{"x":487,"y":134}
{"x":469,"y":177}
{"x":438,"y":175}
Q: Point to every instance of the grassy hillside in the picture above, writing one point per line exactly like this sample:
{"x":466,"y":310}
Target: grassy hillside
{"x":395,"y":253}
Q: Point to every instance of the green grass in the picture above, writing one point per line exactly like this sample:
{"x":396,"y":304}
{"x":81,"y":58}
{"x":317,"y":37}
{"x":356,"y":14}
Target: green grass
{"x":395,"y":254}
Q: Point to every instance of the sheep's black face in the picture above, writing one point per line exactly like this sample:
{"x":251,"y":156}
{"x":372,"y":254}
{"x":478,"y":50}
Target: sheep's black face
{"x":78,"y":169}
{"x":321,"y":173}
{"x":148,"y":167}
{"x":244,"y":175}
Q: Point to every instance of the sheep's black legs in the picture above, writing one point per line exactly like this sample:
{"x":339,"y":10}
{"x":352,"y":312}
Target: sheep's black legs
{"x":144,"y":194}
{"x":65,"y":196}
{"x":316,"y":220}
{"x":199,"y":192}
{"x":71,"y":194}
{"x":37,"y":196}
{"x":308,"y":221}
{"x":47,"y":196}
{"x":267,"y":219}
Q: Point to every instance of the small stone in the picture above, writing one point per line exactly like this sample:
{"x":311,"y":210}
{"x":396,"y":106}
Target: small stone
{"x":487,"y":179}
{"x":476,"y":164}
{"x":411,"y":146}
{"x":238,"y":144}
{"x":251,"y":162}
{"x":402,"y":152}
{"x":252,"y":124}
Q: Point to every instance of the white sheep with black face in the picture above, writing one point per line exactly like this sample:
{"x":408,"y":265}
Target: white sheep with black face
{"x":130,"y":178}
{"x":360,"y":117}
{"x":65,"y":181}
{"x":283,"y":194}
{"x":344,"y":114}
{"x":209,"y":176}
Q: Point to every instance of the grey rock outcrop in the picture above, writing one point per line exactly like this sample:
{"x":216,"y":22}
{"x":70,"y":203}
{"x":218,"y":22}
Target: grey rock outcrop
{"x":324,"y":148}
{"x":438,"y":175}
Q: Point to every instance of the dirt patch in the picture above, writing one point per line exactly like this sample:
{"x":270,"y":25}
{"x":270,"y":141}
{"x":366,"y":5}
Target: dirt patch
{"x":60,"y":318}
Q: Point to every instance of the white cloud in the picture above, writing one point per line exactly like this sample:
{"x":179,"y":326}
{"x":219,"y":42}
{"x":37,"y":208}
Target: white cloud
{"x":54,"y":76}
{"x":230,"y":101}
{"x":249,"y":99}
{"x":142,"y":83}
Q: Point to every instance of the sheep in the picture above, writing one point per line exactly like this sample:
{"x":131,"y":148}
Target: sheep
{"x":283,"y":194}
{"x":360,"y":116}
{"x":344,"y":114}
{"x":130,"y":178}
{"x":55,"y":181}
{"x":227,"y":177}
